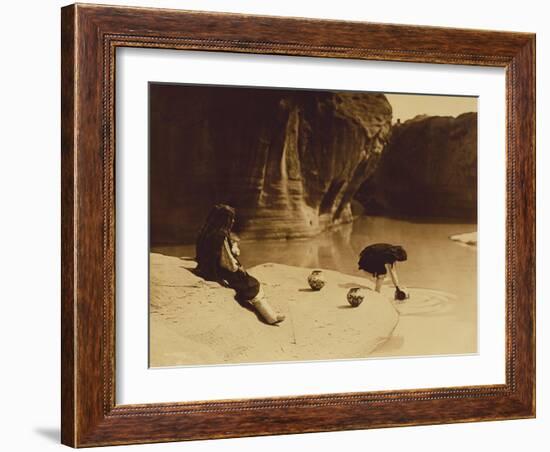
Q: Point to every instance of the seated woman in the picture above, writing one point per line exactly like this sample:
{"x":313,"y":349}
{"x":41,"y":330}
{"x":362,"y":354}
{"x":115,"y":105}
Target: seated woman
{"x":217,"y":262}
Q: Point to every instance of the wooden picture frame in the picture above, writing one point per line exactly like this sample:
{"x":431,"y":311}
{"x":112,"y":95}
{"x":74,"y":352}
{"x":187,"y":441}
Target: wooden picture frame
{"x":90,"y":36}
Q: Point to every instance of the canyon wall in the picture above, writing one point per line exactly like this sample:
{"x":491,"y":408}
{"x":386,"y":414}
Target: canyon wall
{"x":428,"y":169}
{"x":289,"y":161}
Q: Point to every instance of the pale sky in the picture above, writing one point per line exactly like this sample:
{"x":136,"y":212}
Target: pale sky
{"x":407,"y":106}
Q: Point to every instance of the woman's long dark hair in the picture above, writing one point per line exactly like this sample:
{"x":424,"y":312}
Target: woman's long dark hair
{"x":215,"y":230}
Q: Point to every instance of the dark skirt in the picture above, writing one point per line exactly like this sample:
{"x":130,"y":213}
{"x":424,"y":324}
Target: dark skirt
{"x":375,"y":268}
{"x":246,"y":286}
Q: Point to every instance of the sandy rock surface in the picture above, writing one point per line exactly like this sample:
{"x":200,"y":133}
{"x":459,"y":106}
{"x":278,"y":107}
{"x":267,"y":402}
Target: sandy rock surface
{"x":195,"y":322}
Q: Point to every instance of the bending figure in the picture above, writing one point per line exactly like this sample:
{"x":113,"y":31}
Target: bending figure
{"x":380,"y":259}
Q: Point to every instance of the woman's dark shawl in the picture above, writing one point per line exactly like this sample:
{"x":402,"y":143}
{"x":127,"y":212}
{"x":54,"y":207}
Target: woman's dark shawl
{"x":208,"y":253}
{"x":373,"y":258}
{"x":209,"y":249}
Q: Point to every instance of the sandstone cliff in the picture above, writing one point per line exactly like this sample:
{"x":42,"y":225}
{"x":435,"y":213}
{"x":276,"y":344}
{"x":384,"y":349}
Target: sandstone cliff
{"x":429,"y":168}
{"x":289,"y":161}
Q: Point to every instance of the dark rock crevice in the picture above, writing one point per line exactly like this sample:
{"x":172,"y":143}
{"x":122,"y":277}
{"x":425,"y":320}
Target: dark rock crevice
{"x":428,"y":169}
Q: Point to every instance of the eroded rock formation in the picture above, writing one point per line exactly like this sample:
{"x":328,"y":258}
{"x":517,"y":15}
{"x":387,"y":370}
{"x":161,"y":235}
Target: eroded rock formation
{"x":289,"y":161}
{"x":429,"y":168}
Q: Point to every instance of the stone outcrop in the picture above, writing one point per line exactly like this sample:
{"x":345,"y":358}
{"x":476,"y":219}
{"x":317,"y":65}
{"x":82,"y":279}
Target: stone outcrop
{"x":428,"y":169}
{"x":289,"y":161}
{"x":467,"y":239}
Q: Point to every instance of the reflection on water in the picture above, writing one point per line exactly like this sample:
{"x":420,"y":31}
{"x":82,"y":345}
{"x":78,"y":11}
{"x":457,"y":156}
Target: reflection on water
{"x":434,"y":261}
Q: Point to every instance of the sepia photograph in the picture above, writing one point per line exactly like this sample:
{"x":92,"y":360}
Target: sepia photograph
{"x":300,"y":225}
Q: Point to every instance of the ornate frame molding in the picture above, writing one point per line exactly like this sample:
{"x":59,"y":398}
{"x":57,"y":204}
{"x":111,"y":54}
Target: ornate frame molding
{"x":90,"y":37}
